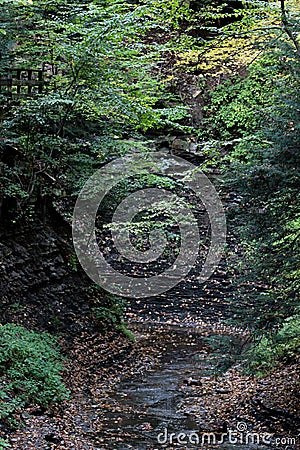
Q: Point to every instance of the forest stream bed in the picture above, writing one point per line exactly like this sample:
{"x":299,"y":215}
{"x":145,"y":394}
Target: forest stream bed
{"x":133,"y":395}
{"x":148,"y":411}
{"x":167,"y":382}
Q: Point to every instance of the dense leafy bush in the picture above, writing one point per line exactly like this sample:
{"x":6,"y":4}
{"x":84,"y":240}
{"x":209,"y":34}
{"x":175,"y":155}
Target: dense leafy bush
{"x":30,"y":370}
{"x":277,"y":347}
{"x":234,"y":109}
{"x":112,"y":317}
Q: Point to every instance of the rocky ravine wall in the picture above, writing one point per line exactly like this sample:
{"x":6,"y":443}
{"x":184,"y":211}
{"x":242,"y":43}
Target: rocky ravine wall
{"x":41,"y":283}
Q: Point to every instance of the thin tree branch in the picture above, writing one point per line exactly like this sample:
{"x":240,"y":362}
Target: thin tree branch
{"x":286,"y":27}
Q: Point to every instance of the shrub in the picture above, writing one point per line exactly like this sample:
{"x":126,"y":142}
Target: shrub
{"x":30,"y":370}
{"x":283,"y":346}
{"x":112,"y":317}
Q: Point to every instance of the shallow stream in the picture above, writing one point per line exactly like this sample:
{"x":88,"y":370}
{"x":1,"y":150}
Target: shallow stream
{"x":146,"y":408}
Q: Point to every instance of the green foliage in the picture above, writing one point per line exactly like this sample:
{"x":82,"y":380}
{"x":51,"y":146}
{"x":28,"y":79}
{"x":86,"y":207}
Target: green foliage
{"x":256,"y":121}
{"x":268,"y":179}
{"x":30,"y":368}
{"x":112,"y":317}
{"x":276,"y":348}
{"x":4,"y":444}
{"x":252,"y":123}
{"x":235,"y":107}
{"x":226,"y":349}
{"x":132,"y":184}
{"x":102,"y":87}
{"x":123,"y":328}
